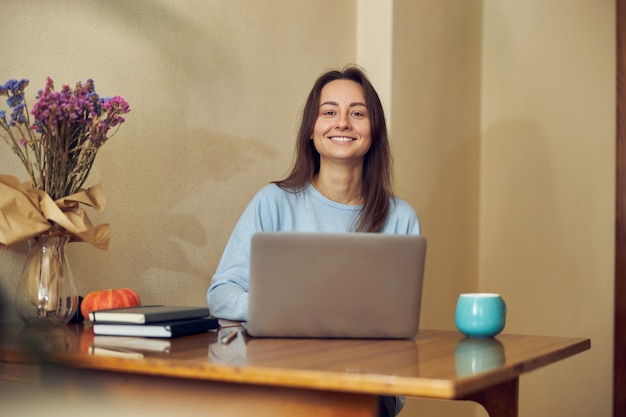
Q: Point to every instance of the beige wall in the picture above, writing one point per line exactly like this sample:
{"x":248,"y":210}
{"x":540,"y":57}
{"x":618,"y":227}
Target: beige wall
{"x":547,"y":188}
{"x":502,"y":128}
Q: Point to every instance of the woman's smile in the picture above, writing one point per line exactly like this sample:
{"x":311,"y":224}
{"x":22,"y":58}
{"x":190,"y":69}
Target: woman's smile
{"x":341,"y":139}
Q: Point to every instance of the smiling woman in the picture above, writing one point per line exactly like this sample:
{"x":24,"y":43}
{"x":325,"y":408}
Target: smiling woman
{"x":340,"y":182}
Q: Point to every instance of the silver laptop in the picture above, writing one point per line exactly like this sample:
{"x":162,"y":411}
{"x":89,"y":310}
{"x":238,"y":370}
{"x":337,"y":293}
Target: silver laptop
{"x":330,"y":285}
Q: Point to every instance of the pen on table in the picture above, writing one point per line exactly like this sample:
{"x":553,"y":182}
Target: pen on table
{"x":229,"y":337}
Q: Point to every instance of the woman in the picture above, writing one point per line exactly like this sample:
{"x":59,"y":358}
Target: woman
{"x":340,"y":182}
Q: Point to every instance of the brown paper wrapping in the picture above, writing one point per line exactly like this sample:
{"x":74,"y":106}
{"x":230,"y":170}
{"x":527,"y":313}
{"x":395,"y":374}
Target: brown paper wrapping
{"x":25,"y":213}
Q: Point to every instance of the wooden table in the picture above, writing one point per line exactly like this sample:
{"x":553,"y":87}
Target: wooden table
{"x":62,"y":368}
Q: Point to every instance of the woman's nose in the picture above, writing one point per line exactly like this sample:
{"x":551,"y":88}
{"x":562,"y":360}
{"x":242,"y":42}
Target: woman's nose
{"x":343,"y":122}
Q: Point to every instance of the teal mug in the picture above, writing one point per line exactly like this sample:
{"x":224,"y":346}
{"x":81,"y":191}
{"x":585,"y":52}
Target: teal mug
{"x":480,"y":314}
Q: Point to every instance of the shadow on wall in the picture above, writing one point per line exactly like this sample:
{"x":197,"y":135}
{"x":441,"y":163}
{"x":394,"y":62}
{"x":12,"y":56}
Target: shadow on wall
{"x":183,"y":202}
{"x":176,"y":220}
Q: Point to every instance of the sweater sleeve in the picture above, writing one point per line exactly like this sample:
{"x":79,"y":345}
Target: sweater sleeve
{"x":227,"y":296}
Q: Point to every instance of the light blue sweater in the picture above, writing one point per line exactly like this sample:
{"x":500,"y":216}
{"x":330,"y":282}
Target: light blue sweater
{"x":274,"y":209}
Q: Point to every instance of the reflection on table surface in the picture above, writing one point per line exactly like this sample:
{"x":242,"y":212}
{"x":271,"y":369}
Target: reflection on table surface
{"x":473,"y":356}
{"x":433,"y":354}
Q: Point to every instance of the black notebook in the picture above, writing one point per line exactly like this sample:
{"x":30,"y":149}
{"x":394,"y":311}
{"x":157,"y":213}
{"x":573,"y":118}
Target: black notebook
{"x":168,"y":329}
{"x":148,"y":314}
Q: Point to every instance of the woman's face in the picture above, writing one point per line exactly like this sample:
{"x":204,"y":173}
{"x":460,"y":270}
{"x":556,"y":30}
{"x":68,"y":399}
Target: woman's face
{"x":342,"y":131}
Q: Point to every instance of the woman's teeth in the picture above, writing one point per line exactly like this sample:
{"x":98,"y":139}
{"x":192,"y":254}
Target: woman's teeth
{"x":341,"y":139}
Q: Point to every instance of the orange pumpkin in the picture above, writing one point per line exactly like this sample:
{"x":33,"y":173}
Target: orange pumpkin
{"x":105,"y":299}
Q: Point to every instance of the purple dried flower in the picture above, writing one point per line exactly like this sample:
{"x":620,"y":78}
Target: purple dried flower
{"x":17,"y":115}
{"x":14,"y":87}
{"x":68,"y":125}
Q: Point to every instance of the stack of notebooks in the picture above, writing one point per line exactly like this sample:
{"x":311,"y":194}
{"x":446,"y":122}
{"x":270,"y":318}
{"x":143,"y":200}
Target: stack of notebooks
{"x":153,"y":321}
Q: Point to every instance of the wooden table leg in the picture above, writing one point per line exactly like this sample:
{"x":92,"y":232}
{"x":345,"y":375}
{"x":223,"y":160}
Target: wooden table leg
{"x":499,"y":400}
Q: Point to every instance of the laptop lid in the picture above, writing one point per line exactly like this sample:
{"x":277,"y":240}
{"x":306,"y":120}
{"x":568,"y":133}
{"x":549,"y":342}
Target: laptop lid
{"x":335,"y":285}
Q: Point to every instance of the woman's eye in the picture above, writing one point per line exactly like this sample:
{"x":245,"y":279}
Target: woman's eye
{"x":328,"y":112}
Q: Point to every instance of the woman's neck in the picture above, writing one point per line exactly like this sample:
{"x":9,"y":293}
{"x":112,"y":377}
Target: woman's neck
{"x":341,"y":187}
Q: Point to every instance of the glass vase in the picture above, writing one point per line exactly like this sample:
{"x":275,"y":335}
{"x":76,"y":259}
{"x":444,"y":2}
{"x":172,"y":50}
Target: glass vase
{"x":46,"y":294}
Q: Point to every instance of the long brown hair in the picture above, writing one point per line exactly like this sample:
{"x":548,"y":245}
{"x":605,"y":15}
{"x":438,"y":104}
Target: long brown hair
{"x":377,"y":167}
